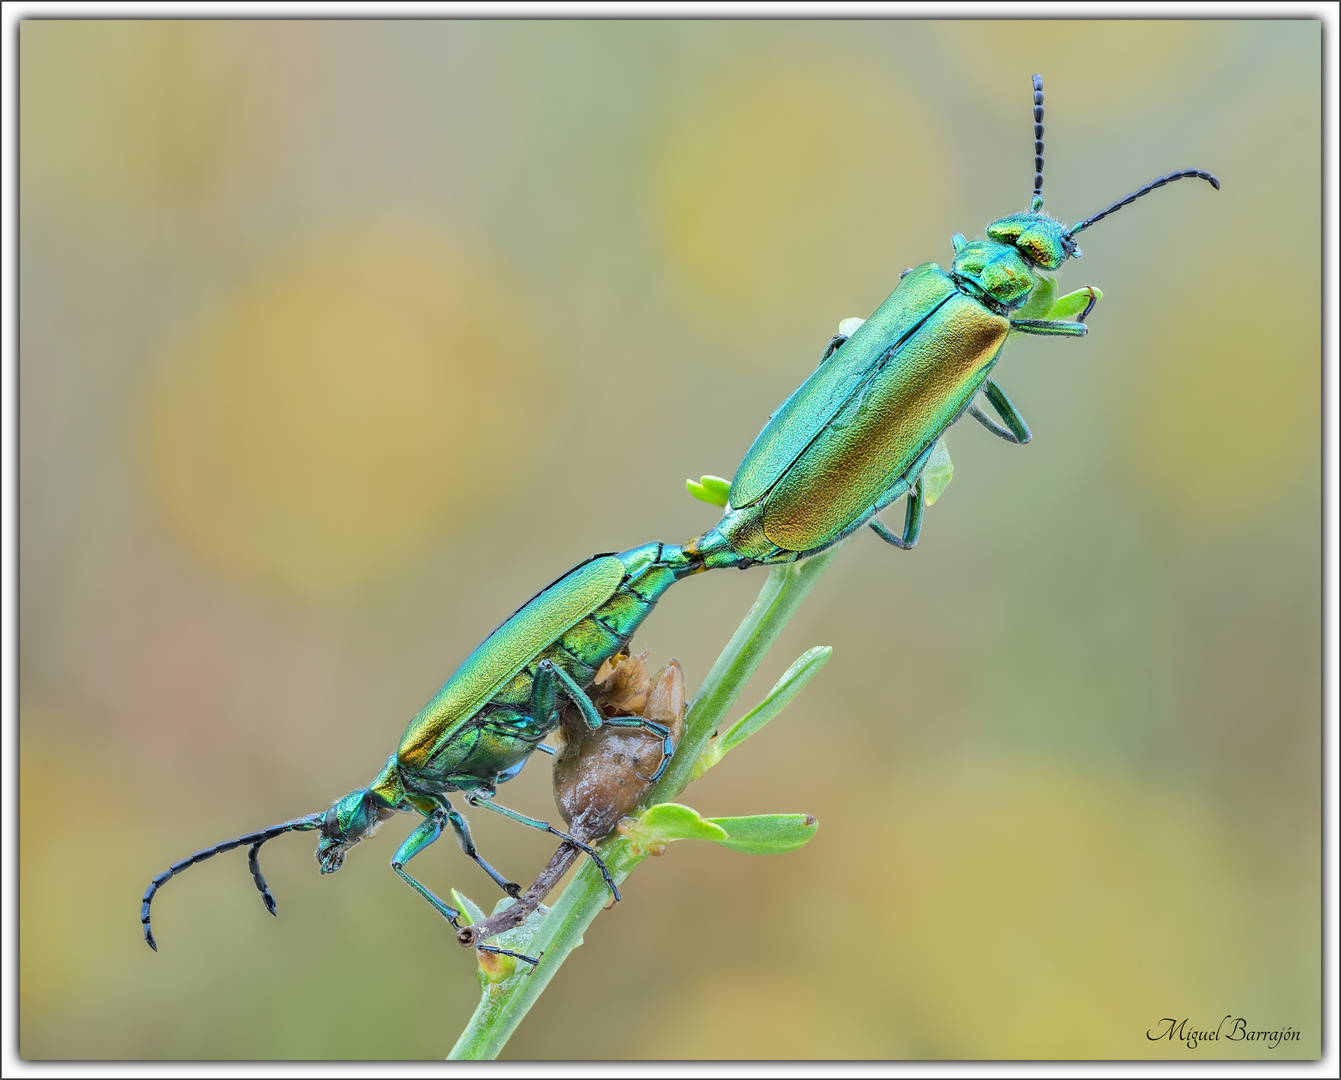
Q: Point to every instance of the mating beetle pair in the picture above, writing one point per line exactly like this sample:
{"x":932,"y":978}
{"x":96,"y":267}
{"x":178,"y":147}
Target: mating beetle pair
{"x":854,"y":437}
{"x":480,"y":729}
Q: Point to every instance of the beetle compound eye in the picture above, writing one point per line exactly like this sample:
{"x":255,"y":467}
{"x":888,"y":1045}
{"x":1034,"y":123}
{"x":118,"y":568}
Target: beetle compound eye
{"x":352,"y":816}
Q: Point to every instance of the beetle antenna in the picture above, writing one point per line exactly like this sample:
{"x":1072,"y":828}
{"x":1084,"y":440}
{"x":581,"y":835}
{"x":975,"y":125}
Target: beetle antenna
{"x":1037,"y":204}
{"x":1156,"y":183}
{"x":256,"y":839}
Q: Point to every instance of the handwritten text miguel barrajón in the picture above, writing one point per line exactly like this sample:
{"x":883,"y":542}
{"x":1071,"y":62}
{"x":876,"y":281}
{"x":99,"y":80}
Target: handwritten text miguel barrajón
{"x":1237,"y":1031}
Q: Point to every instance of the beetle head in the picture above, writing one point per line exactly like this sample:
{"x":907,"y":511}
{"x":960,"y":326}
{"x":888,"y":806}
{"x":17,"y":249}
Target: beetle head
{"x":1041,"y":239}
{"x":347,"y":822}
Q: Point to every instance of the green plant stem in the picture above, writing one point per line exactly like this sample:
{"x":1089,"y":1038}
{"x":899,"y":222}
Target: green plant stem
{"x":504,"y":1004}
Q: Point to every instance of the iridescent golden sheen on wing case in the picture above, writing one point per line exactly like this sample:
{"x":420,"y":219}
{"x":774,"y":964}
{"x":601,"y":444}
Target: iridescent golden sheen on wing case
{"x":859,"y":432}
{"x":913,"y":392}
{"x":855,"y":436}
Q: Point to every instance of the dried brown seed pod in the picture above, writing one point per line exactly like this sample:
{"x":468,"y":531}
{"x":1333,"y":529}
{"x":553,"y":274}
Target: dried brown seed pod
{"x":599,"y":776}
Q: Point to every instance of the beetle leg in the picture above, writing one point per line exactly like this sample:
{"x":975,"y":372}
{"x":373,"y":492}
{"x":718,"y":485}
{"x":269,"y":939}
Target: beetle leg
{"x":594,"y":720}
{"x":661,"y":731}
{"x":912,"y":517}
{"x":831,"y":348}
{"x":1048,"y":327}
{"x":463,"y":838}
{"x":543,"y":698}
{"x":1016,"y":430}
{"x":429,"y":831}
{"x":912,"y":521}
{"x":549,"y":680}
{"x":476,"y":799}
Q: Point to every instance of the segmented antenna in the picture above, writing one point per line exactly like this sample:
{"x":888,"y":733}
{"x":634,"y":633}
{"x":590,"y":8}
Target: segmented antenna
{"x":1037,"y":204}
{"x":1157,"y":183}
{"x":254,"y":865}
{"x":256,"y":839}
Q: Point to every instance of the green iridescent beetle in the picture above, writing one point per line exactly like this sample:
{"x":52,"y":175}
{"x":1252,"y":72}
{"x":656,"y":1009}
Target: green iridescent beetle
{"x":480,"y":729}
{"x":859,"y":433}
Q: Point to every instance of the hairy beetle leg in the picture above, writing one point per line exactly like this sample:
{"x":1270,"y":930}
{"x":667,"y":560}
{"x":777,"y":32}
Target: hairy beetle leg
{"x":428,"y":832}
{"x":498,"y":951}
{"x":1016,"y":430}
{"x":661,"y":731}
{"x":831,"y":348}
{"x":1049,"y":328}
{"x":544,"y":826}
{"x":912,"y":522}
{"x":463,"y":838}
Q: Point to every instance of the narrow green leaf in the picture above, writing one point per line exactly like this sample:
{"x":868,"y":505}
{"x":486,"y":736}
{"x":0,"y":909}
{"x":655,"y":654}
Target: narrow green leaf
{"x":659,"y":825}
{"x":1040,"y":299}
{"x":803,"y":669}
{"x":938,"y":473}
{"x":709,"y":489}
{"x":471,"y":912}
{"x":766,"y":834}
{"x":520,"y":937}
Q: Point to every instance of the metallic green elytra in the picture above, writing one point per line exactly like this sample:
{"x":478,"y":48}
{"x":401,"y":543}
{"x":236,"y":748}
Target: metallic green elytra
{"x":858,"y":434}
{"x":480,"y":729}
{"x":864,"y":430}
{"x":503,"y":654}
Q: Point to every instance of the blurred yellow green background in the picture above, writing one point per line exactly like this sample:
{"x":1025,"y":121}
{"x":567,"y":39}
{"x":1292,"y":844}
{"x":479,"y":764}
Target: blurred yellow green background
{"x":340,"y":339}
